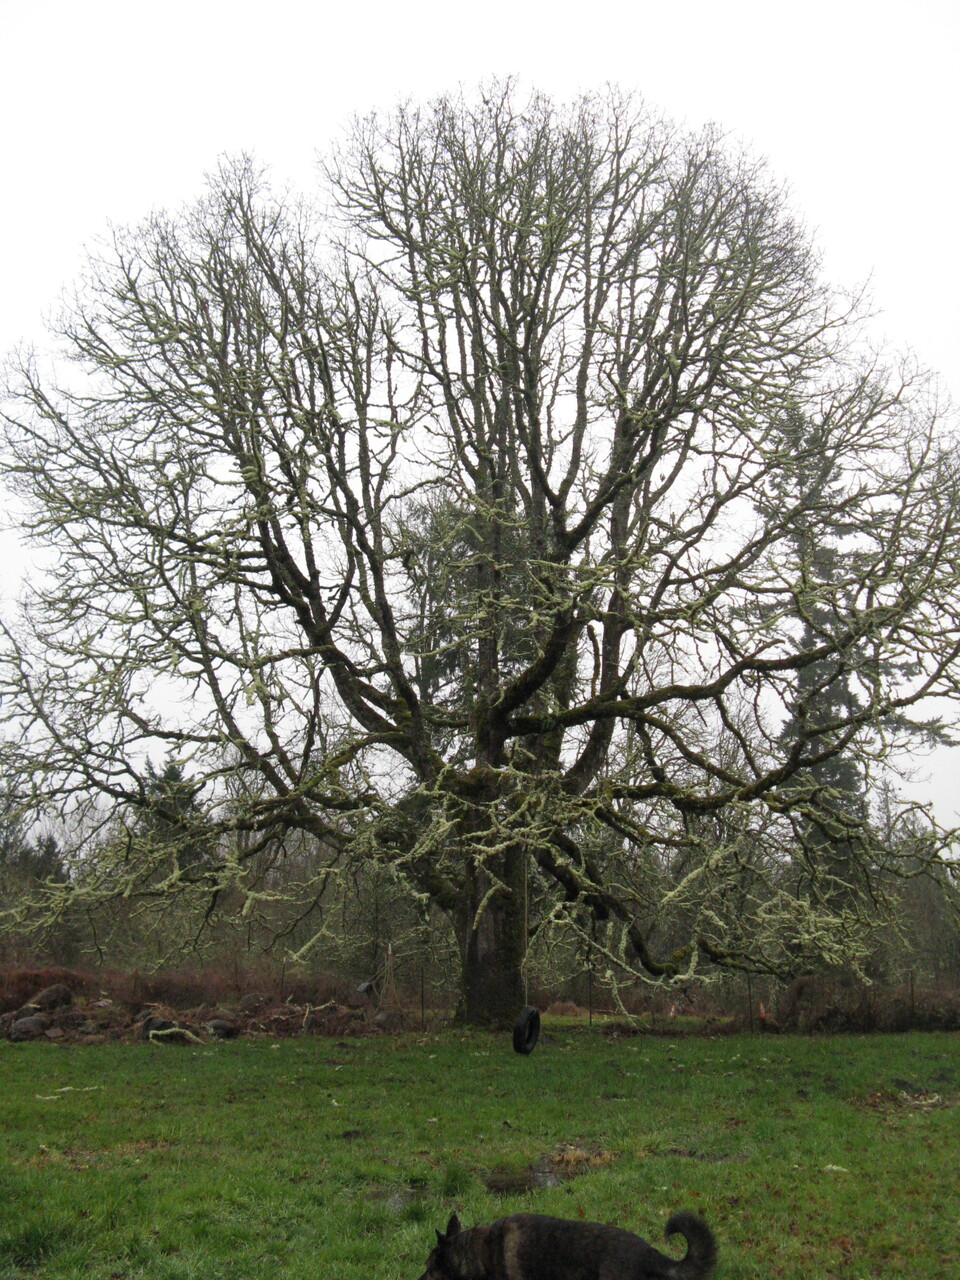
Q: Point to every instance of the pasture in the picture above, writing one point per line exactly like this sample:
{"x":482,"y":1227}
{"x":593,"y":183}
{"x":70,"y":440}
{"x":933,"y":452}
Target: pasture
{"x":311,"y":1157}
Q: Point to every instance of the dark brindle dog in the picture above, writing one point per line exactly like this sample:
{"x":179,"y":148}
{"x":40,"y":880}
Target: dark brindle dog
{"x":529,"y":1246}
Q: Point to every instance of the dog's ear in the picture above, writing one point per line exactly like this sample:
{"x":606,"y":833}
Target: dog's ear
{"x":453,"y":1226}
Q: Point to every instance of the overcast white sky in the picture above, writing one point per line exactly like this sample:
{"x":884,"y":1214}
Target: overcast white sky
{"x":111,"y":108}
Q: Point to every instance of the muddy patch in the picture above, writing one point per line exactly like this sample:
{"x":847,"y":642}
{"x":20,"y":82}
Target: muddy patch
{"x":549,"y":1171}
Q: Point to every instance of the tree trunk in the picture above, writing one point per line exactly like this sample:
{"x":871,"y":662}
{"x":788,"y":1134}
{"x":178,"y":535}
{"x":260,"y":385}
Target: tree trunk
{"x":493,"y":940}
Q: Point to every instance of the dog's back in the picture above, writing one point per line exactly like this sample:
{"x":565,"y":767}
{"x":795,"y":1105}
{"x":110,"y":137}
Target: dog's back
{"x":530,"y":1246}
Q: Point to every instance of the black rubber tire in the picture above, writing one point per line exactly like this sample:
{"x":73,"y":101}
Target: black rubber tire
{"x":526,"y":1030}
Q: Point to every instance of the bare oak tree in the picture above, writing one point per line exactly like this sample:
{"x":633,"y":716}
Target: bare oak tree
{"x":462,"y":527}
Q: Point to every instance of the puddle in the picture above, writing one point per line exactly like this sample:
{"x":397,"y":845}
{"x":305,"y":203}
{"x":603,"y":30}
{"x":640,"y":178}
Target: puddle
{"x":397,"y":1199}
{"x":515,"y":1182}
{"x":548,"y":1171}
{"x":712,"y":1157}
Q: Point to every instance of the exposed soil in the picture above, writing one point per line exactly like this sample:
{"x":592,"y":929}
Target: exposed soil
{"x":549,"y":1171}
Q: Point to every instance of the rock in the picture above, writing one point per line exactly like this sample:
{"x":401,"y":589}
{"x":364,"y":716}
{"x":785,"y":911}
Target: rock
{"x":222,"y":1029}
{"x":54,"y":1033}
{"x":388,"y":1020}
{"x":30,"y":1028}
{"x":56,"y":997}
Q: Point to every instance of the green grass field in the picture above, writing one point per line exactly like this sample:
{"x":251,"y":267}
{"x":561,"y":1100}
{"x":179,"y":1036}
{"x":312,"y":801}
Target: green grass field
{"x":307,"y":1158}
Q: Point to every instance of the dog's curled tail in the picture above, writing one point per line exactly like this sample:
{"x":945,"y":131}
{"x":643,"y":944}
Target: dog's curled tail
{"x":701,"y":1255}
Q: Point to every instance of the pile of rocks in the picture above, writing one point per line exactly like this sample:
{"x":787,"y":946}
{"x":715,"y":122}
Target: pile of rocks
{"x":54,"y":1014}
{"x":36,"y":1018}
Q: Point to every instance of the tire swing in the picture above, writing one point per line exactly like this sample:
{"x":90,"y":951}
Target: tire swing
{"x":526,"y":1030}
